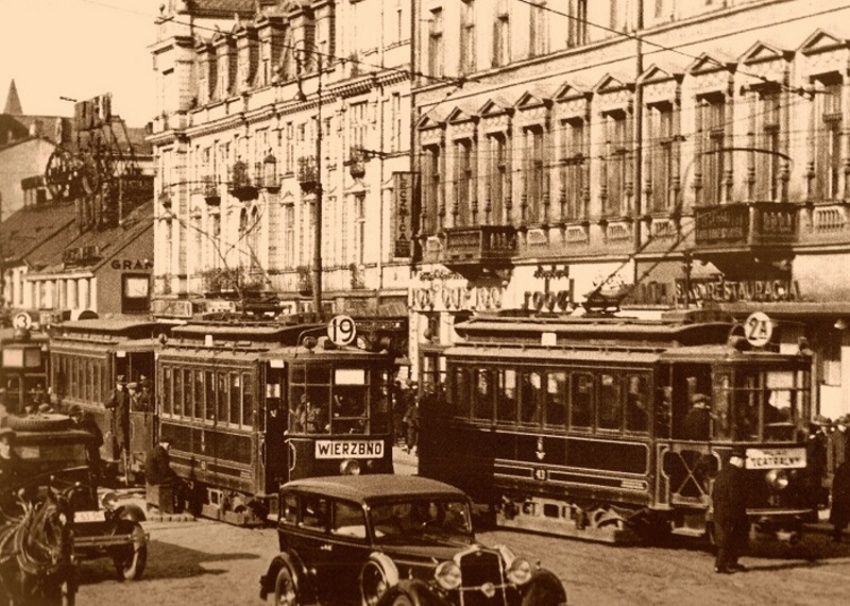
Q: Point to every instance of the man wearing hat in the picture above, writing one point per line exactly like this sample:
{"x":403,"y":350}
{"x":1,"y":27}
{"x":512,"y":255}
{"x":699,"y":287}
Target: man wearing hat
{"x":9,"y":480}
{"x":731,"y":526}
{"x":85,"y":422}
{"x":697,"y":422}
{"x":119,"y":404}
{"x":158,"y":472}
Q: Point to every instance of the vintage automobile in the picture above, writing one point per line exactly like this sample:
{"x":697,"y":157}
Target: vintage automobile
{"x":53,"y":453}
{"x":393,"y":540}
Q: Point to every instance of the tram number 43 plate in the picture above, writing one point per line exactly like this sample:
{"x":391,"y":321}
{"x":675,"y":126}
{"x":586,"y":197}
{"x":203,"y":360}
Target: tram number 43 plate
{"x":541,"y":474}
{"x":89,"y":516}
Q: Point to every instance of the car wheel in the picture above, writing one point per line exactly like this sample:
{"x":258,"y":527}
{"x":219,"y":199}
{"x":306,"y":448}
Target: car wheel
{"x":373,"y":583}
{"x":285,"y":590}
{"x":131,"y":561}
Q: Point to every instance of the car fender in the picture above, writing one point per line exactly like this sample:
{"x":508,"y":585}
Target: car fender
{"x":543,"y":589}
{"x":129,"y":511}
{"x":416,"y":591}
{"x":303,"y":582}
{"x":386,"y":563}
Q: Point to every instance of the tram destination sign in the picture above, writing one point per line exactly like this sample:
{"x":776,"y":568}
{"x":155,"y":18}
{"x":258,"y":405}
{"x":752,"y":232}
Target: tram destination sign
{"x":776,"y":458}
{"x":349,"y":449}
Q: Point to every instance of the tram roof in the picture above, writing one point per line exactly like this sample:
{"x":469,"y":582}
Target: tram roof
{"x":375,"y":487}
{"x":539,"y":355}
{"x":109,"y":325}
{"x":242,"y":331}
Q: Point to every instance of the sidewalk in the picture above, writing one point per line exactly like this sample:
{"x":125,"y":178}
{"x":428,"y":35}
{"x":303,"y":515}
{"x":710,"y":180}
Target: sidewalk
{"x":404,"y":463}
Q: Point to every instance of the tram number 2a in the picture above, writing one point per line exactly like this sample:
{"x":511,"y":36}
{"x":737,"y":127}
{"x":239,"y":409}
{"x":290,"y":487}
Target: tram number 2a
{"x":758,"y":329}
{"x":540,"y":474}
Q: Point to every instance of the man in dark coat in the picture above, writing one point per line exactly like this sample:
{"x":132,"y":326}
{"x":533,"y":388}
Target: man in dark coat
{"x":731,"y":526}
{"x":158,"y":472}
{"x":119,"y":404}
{"x":697,"y":422}
{"x":839,"y":515}
{"x":84,"y":421}
{"x":9,"y":474}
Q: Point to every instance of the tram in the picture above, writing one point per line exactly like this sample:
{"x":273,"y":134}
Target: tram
{"x":576,"y":425}
{"x":251,"y":405}
{"x":89,"y":358}
{"x":24,"y":364}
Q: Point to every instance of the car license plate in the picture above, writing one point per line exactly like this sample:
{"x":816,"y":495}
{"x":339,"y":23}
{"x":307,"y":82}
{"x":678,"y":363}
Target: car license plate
{"x":90,"y":516}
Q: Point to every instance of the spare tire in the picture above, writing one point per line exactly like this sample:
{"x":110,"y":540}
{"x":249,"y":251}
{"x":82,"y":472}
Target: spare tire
{"x":39,"y":422}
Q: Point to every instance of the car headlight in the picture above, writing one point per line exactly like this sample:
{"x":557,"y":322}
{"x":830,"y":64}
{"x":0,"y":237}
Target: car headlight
{"x":777,"y":479}
{"x":519,"y":571}
{"x":447,"y":575}
{"x":349,"y":467}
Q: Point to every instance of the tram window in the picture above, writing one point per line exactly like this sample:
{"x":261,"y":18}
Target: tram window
{"x":637,"y":397}
{"x":87,"y":380}
{"x":209,"y":381}
{"x":178,"y":393}
{"x":166,"y":390}
{"x":531,"y":398}
{"x":506,"y":401}
{"x":581,"y":400}
{"x":482,"y":405}
{"x":746,"y":407}
{"x":198,"y":411}
{"x":319,"y":374}
{"x":188,"y":393}
{"x":299,"y":374}
{"x":97,"y":395}
{"x":235,"y":398}
{"x":247,"y":399}
{"x":556,"y":398}
{"x":461,"y":392}
{"x":221,"y":417}
{"x":610,"y":402}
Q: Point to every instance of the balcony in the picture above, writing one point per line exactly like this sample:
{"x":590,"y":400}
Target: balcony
{"x":737,"y":235}
{"x":210,"y":190}
{"x":240,"y":185}
{"x":356,"y":162}
{"x":471,"y":249}
{"x":308,"y":173}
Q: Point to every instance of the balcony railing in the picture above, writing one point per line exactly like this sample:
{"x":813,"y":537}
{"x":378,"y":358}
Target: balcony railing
{"x":210,"y":189}
{"x":746,"y":225}
{"x":476,"y":245}
{"x":240,"y":185}
{"x":308,"y":173}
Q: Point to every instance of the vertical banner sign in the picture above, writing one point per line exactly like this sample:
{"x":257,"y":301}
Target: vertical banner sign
{"x":402,"y":198}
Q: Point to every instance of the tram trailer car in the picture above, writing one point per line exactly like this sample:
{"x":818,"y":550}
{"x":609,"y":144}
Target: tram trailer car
{"x":232,"y":398}
{"x":24,"y":363}
{"x":575,"y":426}
{"x":88,"y":357}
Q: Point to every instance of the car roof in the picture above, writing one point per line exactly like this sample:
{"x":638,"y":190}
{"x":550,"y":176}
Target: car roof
{"x":374,"y":487}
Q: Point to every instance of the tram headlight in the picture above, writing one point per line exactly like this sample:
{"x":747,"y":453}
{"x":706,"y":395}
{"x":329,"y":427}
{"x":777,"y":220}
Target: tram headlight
{"x":349,"y":467}
{"x":519,"y":571}
{"x":777,"y":479}
{"x":447,"y":575}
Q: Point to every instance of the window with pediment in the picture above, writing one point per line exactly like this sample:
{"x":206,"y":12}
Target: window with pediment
{"x":618,"y":144}
{"x":467,"y":37}
{"x":464,"y":181}
{"x":573,"y":160}
{"x":432,"y":188}
{"x":498,"y":185}
{"x":827,"y":99}
{"x":712,"y":132}
{"x":502,"y":35}
{"x":662,"y":137}
{"x":534,"y":169}
{"x":435,"y":43}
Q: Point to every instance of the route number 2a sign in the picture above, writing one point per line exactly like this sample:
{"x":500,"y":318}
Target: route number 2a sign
{"x":758,"y":329}
{"x":342,"y":330}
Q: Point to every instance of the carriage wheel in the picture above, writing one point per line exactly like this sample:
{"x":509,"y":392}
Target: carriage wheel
{"x":285,"y":591}
{"x":131,"y":561}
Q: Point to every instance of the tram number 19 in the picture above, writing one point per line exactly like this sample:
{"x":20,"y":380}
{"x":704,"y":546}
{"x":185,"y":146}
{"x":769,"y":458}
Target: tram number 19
{"x":541,"y":474}
{"x":342,"y":330}
{"x":758,"y":329}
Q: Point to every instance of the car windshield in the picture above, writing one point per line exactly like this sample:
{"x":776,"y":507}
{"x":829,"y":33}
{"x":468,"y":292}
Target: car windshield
{"x":421,"y":520}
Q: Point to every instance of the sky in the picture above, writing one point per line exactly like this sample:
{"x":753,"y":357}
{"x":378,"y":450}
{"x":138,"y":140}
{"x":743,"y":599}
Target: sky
{"x":79,"y":49}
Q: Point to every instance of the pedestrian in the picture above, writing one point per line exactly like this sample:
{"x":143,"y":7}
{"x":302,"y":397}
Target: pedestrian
{"x":119,"y":404}
{"x":400,"y":396}
{"x":697,"y":422}
{"x":9,"y":474}
{"x":838,"y":444}
{"x":158,"y":472}
{"x":816,"y":454}
{"x":839,"y":514}
{"x":411,"y":419}
{"x":731,"y":526}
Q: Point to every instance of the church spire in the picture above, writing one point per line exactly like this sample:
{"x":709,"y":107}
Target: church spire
{"x":13,"y":102}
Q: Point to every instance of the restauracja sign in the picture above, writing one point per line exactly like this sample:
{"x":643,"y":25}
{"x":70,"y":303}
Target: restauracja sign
{"x":729,"y":291}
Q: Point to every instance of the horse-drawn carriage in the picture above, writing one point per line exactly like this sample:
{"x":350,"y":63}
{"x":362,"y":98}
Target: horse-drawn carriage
{"x":59,"y":494}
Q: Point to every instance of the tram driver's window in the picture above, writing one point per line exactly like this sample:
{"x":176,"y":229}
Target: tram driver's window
{"x":482,"y":404}
{"x":637,"y":398}
{"x":581,"y":402}
{"x":461,"y":392}
{"x":506,"y":402}
{"x":610,"y":402}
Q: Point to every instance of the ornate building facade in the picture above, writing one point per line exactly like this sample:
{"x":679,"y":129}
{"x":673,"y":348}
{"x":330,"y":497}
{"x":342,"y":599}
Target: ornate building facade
{"x":290,"y":108}
{"x":681,"y":153}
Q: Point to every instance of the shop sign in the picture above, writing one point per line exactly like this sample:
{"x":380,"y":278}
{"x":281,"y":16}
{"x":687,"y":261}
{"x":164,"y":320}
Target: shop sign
{"x":132,"y":264}
{"x":441,"y":294}
{"x":548,"y":299}
{"x":718,"y":289}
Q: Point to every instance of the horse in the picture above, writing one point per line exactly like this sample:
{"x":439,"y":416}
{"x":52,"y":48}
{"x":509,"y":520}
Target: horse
{"x":36,"y":549}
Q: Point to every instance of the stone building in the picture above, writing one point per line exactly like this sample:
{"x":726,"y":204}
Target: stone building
{"x":266,"y":108}
{"x":695,"y":154}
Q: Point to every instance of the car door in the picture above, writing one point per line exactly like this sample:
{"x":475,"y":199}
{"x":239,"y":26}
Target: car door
{"x":350,"y":544}
{"x":315,"y":545}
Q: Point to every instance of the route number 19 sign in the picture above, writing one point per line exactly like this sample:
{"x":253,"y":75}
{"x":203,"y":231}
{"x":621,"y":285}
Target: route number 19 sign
{"x":342,"y":330}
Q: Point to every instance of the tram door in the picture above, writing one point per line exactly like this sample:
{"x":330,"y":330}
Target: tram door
{"x":137,"y":368}
{"x":274,"y":449}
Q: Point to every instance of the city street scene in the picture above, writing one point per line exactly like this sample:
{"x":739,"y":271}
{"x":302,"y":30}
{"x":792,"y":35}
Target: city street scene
{"x":424,"y":302}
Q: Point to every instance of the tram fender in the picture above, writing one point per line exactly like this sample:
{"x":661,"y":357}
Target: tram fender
{"x":304,"y":585}
{"x":131,"y":512}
